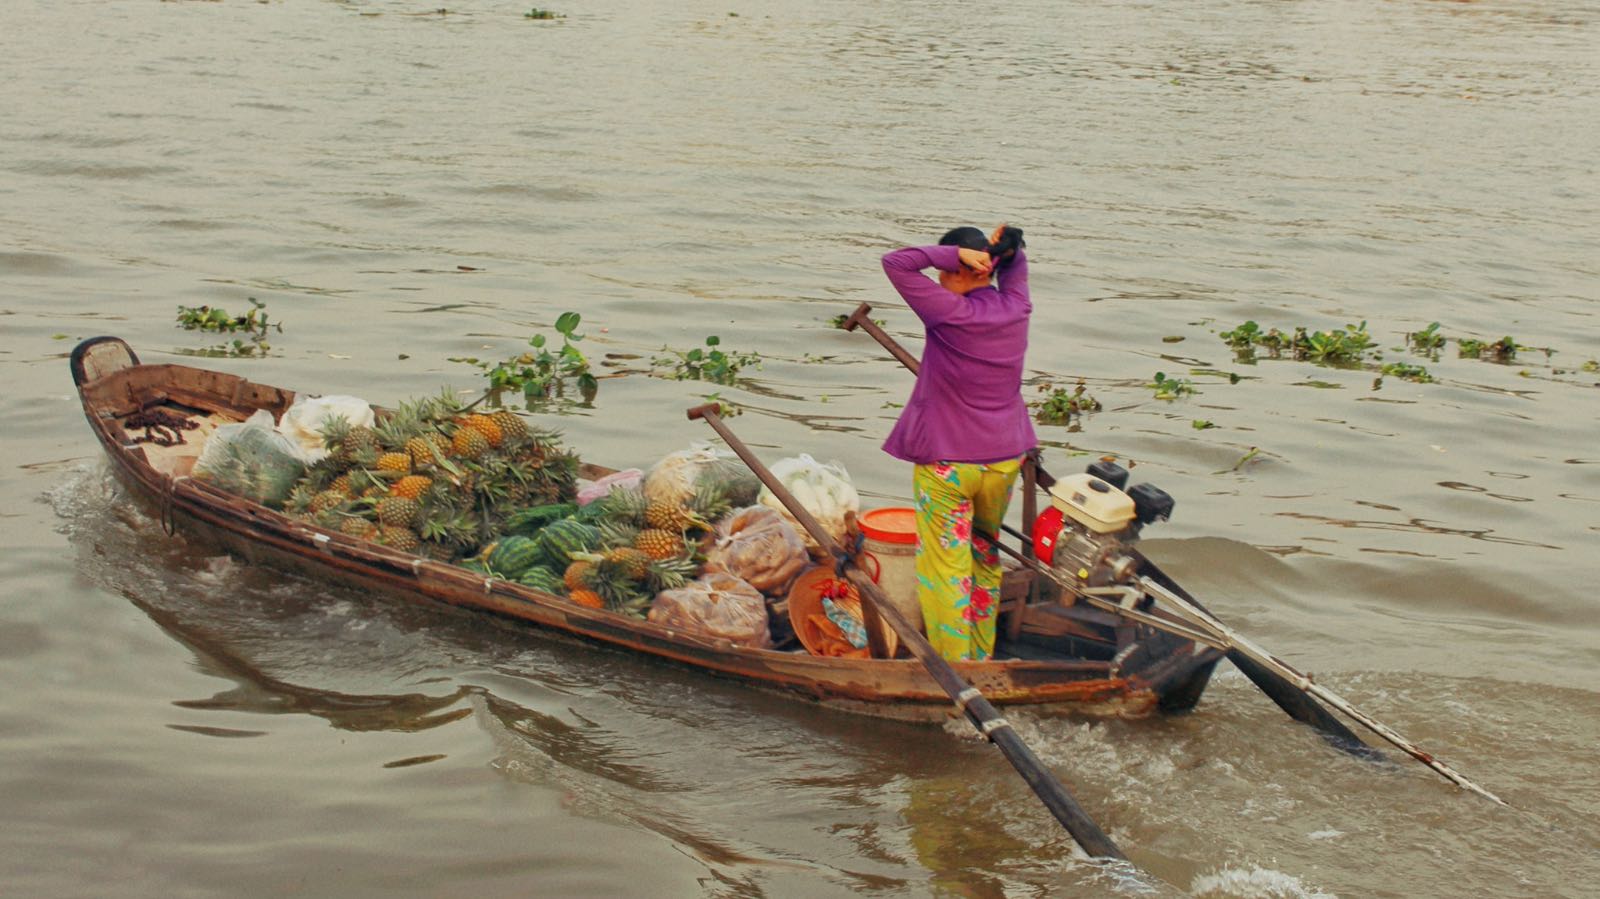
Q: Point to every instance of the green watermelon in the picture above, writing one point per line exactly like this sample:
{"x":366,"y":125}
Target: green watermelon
{"x":528,"y":521}
{"x":544,"y":580}
{"x":513,"y":555}
{"x":560,"y":539}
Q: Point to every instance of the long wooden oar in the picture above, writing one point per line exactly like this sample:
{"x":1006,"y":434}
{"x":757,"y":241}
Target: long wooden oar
{"x":1290,"y":689}
{"x":966,"y":697}
{"x":1215,"y":633}
{"x":1204,"y":619}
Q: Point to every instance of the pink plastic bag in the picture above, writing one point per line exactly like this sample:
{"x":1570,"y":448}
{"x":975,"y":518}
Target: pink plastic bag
{"x":593,"y":490}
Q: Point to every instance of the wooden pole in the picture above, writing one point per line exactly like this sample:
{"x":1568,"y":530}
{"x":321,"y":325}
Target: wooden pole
{"x":967,"y":698}
{"x":859,"y":319}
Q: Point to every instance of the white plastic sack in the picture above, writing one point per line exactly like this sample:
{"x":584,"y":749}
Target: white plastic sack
{"x":251,"y":459}
{"x":304,"y":420}
{"x":822,"y":488}
{"x":674,"y":478}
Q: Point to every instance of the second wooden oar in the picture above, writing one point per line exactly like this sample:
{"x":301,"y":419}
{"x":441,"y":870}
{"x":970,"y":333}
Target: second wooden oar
{"x":966,"y":697}
{"x":1293,"y":700}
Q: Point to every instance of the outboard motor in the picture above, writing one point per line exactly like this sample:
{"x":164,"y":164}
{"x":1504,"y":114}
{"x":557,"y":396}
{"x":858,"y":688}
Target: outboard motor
{"x":1087,"y":534}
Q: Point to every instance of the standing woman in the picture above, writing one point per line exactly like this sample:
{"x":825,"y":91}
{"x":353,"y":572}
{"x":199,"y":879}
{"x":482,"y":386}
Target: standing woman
{"x":966,"y":427}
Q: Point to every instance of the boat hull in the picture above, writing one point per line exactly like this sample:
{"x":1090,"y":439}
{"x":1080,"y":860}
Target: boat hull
{"x":113,"y":385}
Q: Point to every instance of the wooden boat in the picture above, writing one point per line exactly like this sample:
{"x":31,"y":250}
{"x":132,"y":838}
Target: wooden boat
{"x":1048,"y":655}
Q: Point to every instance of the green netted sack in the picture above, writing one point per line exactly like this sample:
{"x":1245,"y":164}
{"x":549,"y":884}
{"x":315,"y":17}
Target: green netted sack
{"x":561,"y":539}
{"x":514,"y":555}
{"x":251,"y":459}
{"x":544,"y":580}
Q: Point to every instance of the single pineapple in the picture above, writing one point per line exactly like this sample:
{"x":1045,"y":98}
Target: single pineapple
{"x":666,"y":515}
{"x":328,"y":499}
{"x":300,"y":500}
{"x":631,"y":563}
{"x":659,"y":543}
{"x":706,"y":504}
{"x":487,"y":426}
{"x":411,"y":486}
{"x":424,"y":450}
{"x":359,"y":444}
{"x":511,"y":424}
{"x":341,"y":484}
{"x":469,"y":443}
{"x":401,"y":538}
{"x":438,"y":552}
{"x":400,"y":462}
{"x":577,"y":575}
{"x":587,"y":598}
{"x":358,"y":527}
{"x":398,"y":511}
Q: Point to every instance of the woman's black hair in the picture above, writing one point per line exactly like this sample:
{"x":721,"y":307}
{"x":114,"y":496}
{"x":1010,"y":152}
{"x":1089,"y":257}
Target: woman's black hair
{"x":971,"y":238}
{"x":968,"y":238}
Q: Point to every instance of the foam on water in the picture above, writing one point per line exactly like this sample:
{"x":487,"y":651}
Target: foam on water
{"x":1253,"y":883}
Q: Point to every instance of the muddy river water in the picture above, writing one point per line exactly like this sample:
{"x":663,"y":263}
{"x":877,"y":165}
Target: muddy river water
{"x":402,"y":186}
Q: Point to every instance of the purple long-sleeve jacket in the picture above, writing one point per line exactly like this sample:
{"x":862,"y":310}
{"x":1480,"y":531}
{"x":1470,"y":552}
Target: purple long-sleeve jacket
{"x":967,"y":404}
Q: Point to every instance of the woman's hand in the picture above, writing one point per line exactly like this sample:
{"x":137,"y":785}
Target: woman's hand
{"x":1004,"y":243}
{"x":978,"y":260}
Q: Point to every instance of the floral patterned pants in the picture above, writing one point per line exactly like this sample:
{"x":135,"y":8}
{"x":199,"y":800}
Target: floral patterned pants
{"x":959,"y":509}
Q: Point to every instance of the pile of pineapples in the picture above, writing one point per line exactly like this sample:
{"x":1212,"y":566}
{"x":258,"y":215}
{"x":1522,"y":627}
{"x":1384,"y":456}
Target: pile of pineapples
{"x":616,"y":553}
{"x":653,"y":537}
{"x":432,"y":478}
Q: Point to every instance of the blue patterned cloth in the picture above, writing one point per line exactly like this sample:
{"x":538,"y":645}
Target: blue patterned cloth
{"x":854,"y":630}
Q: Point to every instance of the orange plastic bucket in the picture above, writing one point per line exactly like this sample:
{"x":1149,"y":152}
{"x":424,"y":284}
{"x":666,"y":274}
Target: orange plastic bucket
{"x":896,"y":524}
{"x":889,"y":556}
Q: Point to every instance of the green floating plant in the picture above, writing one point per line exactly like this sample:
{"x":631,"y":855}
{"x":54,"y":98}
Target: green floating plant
{"x":1406,"y":372}
{"x":1060,"y":406}
{"x":1340,"y":346}
{"x":217,"y":320}
{"x":1345,"y":345}
{"x":1171,"y":388}
{"x":725,"y":407}
{"x":708,"y":363}
{"x":543,"y":373}
{"x":1247,"y":337}
{"x":838,"y":321}
{"x":1428,"y":340}
{"x":1502,"y":350}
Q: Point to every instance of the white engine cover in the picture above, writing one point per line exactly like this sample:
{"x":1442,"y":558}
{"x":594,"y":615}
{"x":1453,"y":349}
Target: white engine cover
{"x":1091,"y":502}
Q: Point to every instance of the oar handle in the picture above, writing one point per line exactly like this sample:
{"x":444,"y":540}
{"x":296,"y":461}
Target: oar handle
{"x":859,"y":319}
{"x":966,"y":697}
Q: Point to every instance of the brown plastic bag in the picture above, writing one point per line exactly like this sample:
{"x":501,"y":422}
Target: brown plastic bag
{"x":759,"y":546}
{"x":718,"y":605}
